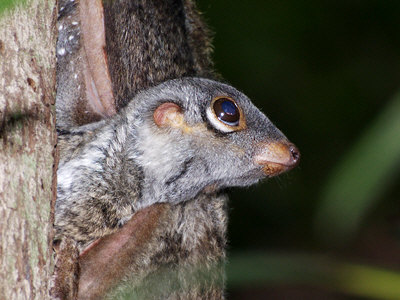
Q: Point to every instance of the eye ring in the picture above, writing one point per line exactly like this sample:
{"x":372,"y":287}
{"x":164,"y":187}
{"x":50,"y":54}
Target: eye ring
{"x":226,"y":115}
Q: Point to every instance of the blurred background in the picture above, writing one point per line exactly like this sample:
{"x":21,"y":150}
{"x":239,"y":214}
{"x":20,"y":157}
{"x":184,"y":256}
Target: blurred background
{"x":327,"y":73}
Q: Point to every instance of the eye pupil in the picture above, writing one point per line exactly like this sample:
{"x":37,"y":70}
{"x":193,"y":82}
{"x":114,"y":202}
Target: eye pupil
{"x":227,"y":111}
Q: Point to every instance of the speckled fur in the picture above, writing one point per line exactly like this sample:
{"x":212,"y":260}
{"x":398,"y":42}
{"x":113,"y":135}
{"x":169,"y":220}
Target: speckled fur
{"x":185,"y":258}
{"x":170,"y":30}
{"x":128,"y":162}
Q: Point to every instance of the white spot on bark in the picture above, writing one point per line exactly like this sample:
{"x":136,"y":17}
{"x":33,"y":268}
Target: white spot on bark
{"x":74,"y":23}
{"x":75,"y":76}
{"x":71,"y":37}
{"x":60,"y":27}
{"x":61,"y":51}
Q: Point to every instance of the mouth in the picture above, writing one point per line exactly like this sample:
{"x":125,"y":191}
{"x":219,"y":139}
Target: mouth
{"x":273,"y":169}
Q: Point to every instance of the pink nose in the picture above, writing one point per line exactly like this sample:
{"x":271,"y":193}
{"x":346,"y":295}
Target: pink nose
{"x":276,"y":157}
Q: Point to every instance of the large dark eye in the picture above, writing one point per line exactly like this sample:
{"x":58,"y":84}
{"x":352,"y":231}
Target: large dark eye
{"x":227,"y":111}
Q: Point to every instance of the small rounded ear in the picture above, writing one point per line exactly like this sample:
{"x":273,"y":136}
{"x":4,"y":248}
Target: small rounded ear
{"x":168,"y":114}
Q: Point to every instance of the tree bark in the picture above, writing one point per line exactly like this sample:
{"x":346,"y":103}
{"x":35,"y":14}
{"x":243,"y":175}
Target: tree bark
{"x":28,"y":156}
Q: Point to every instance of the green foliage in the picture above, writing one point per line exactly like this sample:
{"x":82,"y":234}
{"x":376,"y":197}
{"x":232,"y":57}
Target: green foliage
{"x":365,"y":172}
{"x":256,"y":269}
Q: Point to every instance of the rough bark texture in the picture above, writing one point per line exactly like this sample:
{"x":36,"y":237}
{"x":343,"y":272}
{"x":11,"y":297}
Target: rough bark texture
{"x":27,"y":153}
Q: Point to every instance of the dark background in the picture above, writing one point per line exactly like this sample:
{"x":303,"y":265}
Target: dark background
{"x":326,"y":73}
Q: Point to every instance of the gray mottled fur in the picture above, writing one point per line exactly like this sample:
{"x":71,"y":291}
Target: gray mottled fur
{"x":188,"y":261}
{"x":128,"y":163}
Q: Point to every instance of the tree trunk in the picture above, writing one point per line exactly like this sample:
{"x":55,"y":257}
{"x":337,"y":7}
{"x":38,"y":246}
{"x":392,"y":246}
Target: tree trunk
{"x":27,"y":152}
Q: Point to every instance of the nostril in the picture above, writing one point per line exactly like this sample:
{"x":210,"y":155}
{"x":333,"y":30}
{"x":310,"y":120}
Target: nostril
{"x":295,"y":153}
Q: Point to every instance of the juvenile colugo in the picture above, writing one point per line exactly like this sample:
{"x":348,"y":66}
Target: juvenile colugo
{"x":173,"y":142}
